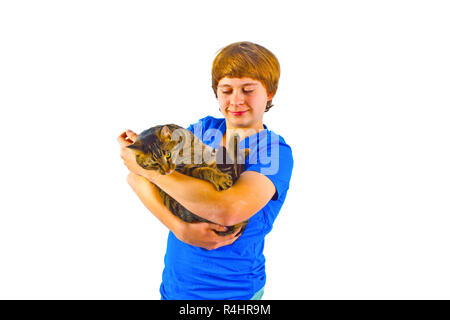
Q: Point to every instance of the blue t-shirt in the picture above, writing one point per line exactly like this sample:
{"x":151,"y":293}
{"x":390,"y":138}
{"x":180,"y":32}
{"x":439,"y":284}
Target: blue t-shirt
{"x":235,"y":271}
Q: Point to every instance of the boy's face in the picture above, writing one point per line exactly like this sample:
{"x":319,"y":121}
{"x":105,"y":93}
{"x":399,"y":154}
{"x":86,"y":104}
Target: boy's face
{"x":242,"y":102}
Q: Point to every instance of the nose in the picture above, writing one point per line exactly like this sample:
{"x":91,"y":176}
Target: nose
{"x":166,"y":167}
{"x":236,"y":98}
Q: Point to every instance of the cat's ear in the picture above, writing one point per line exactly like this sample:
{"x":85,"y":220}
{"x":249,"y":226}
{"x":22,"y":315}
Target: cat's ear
{"x":136,"y":146}
{"x":166,"y":133}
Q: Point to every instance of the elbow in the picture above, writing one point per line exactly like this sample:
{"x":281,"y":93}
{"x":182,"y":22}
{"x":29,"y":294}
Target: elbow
{"x":233,"y":214}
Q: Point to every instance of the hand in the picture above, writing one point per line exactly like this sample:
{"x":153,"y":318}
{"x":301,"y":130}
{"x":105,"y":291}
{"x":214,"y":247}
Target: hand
{"x":129,"y":157}
{"x":201,"y":234}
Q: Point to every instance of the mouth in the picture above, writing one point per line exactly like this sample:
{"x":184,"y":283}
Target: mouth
{"x":238,"y":113}
{"x":169,"y":172}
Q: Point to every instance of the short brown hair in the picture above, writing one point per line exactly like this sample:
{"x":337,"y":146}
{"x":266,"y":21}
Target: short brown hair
{"x":247,"y":59}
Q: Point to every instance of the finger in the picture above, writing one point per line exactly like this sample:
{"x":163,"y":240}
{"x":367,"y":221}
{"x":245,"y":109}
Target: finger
{"x":204,"y":227}
{"x":218,"y":227}
{"x":225,"y":243}
{"x":122,"y":139}
{"x":126,"y":138}
{"x":131,"y":136}
{"x":121,"y":136}
{"x":231,"y":236}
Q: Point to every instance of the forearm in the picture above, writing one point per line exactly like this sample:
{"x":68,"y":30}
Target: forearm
{"x":196,"y":234}
{"x":198,"y":196}
{"x":149,"y":195}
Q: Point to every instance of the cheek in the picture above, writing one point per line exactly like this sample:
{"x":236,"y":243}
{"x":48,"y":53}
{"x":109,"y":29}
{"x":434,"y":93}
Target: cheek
{"x":223,"y":101}
{"x":259,"y":101}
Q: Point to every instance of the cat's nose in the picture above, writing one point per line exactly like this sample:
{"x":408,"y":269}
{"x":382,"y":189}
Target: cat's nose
{"x":166,"y":168}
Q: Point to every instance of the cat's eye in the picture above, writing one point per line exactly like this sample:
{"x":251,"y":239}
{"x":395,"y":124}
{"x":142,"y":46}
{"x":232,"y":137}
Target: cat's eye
{"x":168,"y":155}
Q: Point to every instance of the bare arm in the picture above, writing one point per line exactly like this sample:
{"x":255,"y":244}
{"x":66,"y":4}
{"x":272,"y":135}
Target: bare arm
{"x":149,"y":196}
{"x":196,"y":234}
{"x":246,"y":197}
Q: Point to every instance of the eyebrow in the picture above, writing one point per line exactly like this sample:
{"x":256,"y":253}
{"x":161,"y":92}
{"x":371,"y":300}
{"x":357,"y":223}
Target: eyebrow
{"x":245,"y":84}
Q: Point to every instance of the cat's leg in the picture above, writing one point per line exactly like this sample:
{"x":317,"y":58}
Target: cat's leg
{"x":219,"y":179}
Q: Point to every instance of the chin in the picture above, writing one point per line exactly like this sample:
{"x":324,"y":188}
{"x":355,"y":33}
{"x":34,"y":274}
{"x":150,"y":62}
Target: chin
{"x":240,"y":122}
{"x":241,"y":125}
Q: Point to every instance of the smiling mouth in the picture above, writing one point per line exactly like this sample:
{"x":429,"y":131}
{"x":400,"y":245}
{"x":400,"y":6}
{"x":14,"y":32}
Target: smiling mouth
{"x":238,"y":113}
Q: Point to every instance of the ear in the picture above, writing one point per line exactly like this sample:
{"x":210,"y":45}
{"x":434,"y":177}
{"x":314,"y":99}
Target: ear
{"x":166,"y":133}
{"x":136,"y":146}
{"x":132,"y":146}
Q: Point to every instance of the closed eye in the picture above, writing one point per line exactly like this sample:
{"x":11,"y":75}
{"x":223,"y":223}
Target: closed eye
{"x":244,"y":91}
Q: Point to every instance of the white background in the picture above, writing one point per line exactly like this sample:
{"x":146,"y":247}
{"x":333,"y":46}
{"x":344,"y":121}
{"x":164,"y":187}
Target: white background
{"x":363,"y":100}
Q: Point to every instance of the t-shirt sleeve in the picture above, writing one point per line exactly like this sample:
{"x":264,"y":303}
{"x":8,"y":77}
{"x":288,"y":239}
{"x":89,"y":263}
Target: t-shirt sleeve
{"x":276,"y":163}
{"x":193,"y":126}
{"x":198,"y":128}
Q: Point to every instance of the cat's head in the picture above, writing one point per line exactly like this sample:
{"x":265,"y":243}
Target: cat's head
{"x":154,"y":147}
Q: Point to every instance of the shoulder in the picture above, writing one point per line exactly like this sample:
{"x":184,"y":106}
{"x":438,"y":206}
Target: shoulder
{"x":269,"y":149}
{"x":207,"y":123}
{"x":271,"y":156}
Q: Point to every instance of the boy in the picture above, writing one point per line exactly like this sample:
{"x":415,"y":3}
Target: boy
{"x":199,"y":264}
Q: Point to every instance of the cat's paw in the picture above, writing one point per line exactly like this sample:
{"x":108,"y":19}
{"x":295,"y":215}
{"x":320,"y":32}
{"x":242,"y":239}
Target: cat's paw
{"x":224,"y":181}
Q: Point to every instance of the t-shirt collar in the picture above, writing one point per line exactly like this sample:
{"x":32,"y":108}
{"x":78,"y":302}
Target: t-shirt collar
{"x":223,"y":128}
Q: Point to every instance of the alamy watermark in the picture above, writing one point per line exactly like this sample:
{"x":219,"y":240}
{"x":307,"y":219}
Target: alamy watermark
{"x":262,"y":147}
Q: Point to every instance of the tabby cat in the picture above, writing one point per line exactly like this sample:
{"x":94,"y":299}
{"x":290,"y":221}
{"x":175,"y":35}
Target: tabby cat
{"x":170,"y":147}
